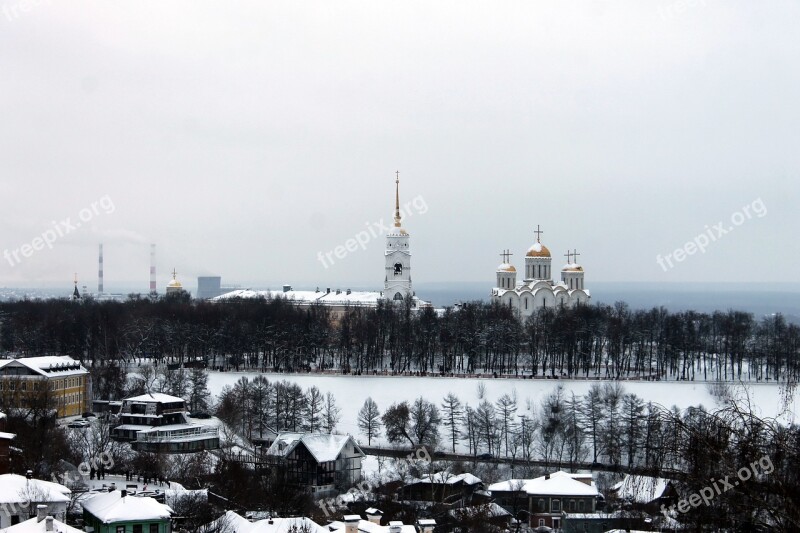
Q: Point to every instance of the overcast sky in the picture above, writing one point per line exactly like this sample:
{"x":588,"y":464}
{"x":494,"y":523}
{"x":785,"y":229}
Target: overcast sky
{"x":243,"y":138}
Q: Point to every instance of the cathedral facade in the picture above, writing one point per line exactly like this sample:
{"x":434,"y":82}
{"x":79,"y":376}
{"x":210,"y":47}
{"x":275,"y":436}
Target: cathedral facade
{"x":537,"y":289}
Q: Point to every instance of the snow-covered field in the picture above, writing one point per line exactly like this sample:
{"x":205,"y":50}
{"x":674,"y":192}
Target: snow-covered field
{"x":351,"y":391}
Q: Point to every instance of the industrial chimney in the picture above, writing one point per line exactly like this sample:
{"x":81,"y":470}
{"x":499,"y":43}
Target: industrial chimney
{"x":152,"y":269}
{"x":100,"y":271}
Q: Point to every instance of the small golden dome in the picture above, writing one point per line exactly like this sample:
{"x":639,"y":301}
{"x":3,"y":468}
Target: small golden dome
{"x":538,"y":250}
{"x":505,"y":267}
{"x":573,"y":267}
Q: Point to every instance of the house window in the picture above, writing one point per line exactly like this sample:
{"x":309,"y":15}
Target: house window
{"x":120,"y":529}
{"x":153,"y":528}
{"x":137,"y":528}
{"x":580,"y":506}
{"x":23,"y":386}
{"x":572,"y":505}
{"x":541,"y":522}
{"x":542,"y":508}
{"x":555,"y":506}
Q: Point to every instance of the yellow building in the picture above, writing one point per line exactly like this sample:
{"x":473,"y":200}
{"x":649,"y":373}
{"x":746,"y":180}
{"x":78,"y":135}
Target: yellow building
{"x":53,"y":382}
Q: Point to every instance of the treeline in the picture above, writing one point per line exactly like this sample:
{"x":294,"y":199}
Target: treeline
{"x":274,"y":335}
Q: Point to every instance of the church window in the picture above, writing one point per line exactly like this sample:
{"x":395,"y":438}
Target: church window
{"x":526,"y":303}
{"x":398,"y":296}
{"x":398,"y":269}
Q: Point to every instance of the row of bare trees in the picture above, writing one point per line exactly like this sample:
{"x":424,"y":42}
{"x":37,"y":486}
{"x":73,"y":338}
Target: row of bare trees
{"x":586,"y":341}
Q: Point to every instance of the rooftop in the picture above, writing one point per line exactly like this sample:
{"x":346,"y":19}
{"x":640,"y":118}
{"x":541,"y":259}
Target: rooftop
{"x":48,"y":365}
{"x":18,"y":489}
{"x":556,"y":484}
{"x":111,"y":507}
{"x":322,"y":446}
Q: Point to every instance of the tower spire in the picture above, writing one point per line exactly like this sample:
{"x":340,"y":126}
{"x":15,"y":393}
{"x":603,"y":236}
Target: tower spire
{"x":538,"y":232}
{"x":397,"y":200}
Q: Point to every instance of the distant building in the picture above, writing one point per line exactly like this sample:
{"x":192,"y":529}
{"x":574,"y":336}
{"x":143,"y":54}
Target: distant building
{"x":397,"y":283}
{"x":545,"y":498}
{"x":109,"y":511}
{"x":174,"y":286}
{"x":156,"y":422}
{"x":319,"y":462}
{"x":537,"y":290}
{"x":56,"y":382}
{"x":355,"y":524}
{"x":209,"y":287}
{"x":643,"y":493}
{"x":21,"y":496}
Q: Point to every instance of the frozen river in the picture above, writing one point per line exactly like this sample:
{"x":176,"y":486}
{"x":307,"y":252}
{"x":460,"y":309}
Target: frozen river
{"x":351,"y":391}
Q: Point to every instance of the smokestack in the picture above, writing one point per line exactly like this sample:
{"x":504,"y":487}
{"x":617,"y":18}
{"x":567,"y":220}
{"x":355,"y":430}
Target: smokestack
{"x":100,"y":272}
{"x":41,"y":512}
{"x":152,"y":269}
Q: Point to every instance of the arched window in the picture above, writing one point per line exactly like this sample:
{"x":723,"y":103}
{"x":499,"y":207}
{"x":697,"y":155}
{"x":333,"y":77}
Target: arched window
{"x":398,"y":296}
{"x":398,"y":269}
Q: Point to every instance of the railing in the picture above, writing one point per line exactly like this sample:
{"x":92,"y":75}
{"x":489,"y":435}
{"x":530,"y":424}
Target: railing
{"x":166,"y":435}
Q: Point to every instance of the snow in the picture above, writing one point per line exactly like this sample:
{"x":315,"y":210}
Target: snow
{"x":365,"y":526}
{"x":640,"y":489}
{"x":234,"y":522}
{"x":111,"y":507}
{"x":322,"y":446}
{"x":155,"y":397}
{"x":33,"y":526}
{"x":18,"y":489}
{"x":351,"y":391}
{"x":49,"y":365}
{"x":7,"y":436}
{"x":559,"y":484}
{"x":448,"y":479}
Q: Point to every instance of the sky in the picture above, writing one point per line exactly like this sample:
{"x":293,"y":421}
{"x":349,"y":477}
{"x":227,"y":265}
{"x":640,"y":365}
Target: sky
{"x":659,"y":139}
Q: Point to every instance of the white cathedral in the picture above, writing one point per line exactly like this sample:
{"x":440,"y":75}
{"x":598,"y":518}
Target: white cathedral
{"x":537,"y":289}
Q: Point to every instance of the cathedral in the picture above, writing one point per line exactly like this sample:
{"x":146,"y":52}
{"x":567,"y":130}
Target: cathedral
{"x":537,"y":289}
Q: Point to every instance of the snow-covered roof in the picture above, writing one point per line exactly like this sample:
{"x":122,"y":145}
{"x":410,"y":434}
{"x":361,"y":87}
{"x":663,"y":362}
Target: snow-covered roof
{"x":448,"y":478}
{"x":18,"y":489}
{"x":235,"y":523}
{"x":157,"y":397}
{"x":491,"y":510}
{"x":7,"y":436}
{"x":49,"y":365}
{"x":111,"y":507}
{"x":353,"y":298}
{"x":640,"y":489}
{"x":557,"y":484}
{"x":33,"y":526}
{"x":365,"y":526}
{"x":323,"y":446}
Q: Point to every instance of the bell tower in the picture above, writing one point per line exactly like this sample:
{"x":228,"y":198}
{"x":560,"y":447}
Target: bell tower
{"x":397,"y":281}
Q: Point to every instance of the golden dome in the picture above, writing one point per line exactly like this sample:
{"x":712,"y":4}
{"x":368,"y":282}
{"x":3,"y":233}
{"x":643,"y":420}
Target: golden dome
{"x":505,"y":267}
{"x":538,"y":250}
{"x":574,"y":267}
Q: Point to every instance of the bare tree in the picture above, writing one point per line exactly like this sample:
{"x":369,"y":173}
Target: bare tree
{"x":369,"y":420}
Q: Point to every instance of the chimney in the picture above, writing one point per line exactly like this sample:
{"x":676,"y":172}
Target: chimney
{"x":41,"y":513}
{"x":287,"y":288}
{"x":328,"y":291}
{"x":29,"y":474}
{"x":152,"y":269}
{"x":374,"y":515}
{"x":123,"y":493}
{"x":426,"y":525}
{"x":547,"y":476}
{"x":48,"y":524}
{"x":351,"y":523}
{"x":395,"y":526}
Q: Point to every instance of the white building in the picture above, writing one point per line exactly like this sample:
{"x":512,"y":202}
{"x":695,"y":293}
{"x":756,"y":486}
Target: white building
{"x":397,"y":284}
{"x":537,"y":289}
{"x":21,"y":496}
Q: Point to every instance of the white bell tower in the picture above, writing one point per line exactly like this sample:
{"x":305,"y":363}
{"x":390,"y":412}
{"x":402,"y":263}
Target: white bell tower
{"x":397,"y":283}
